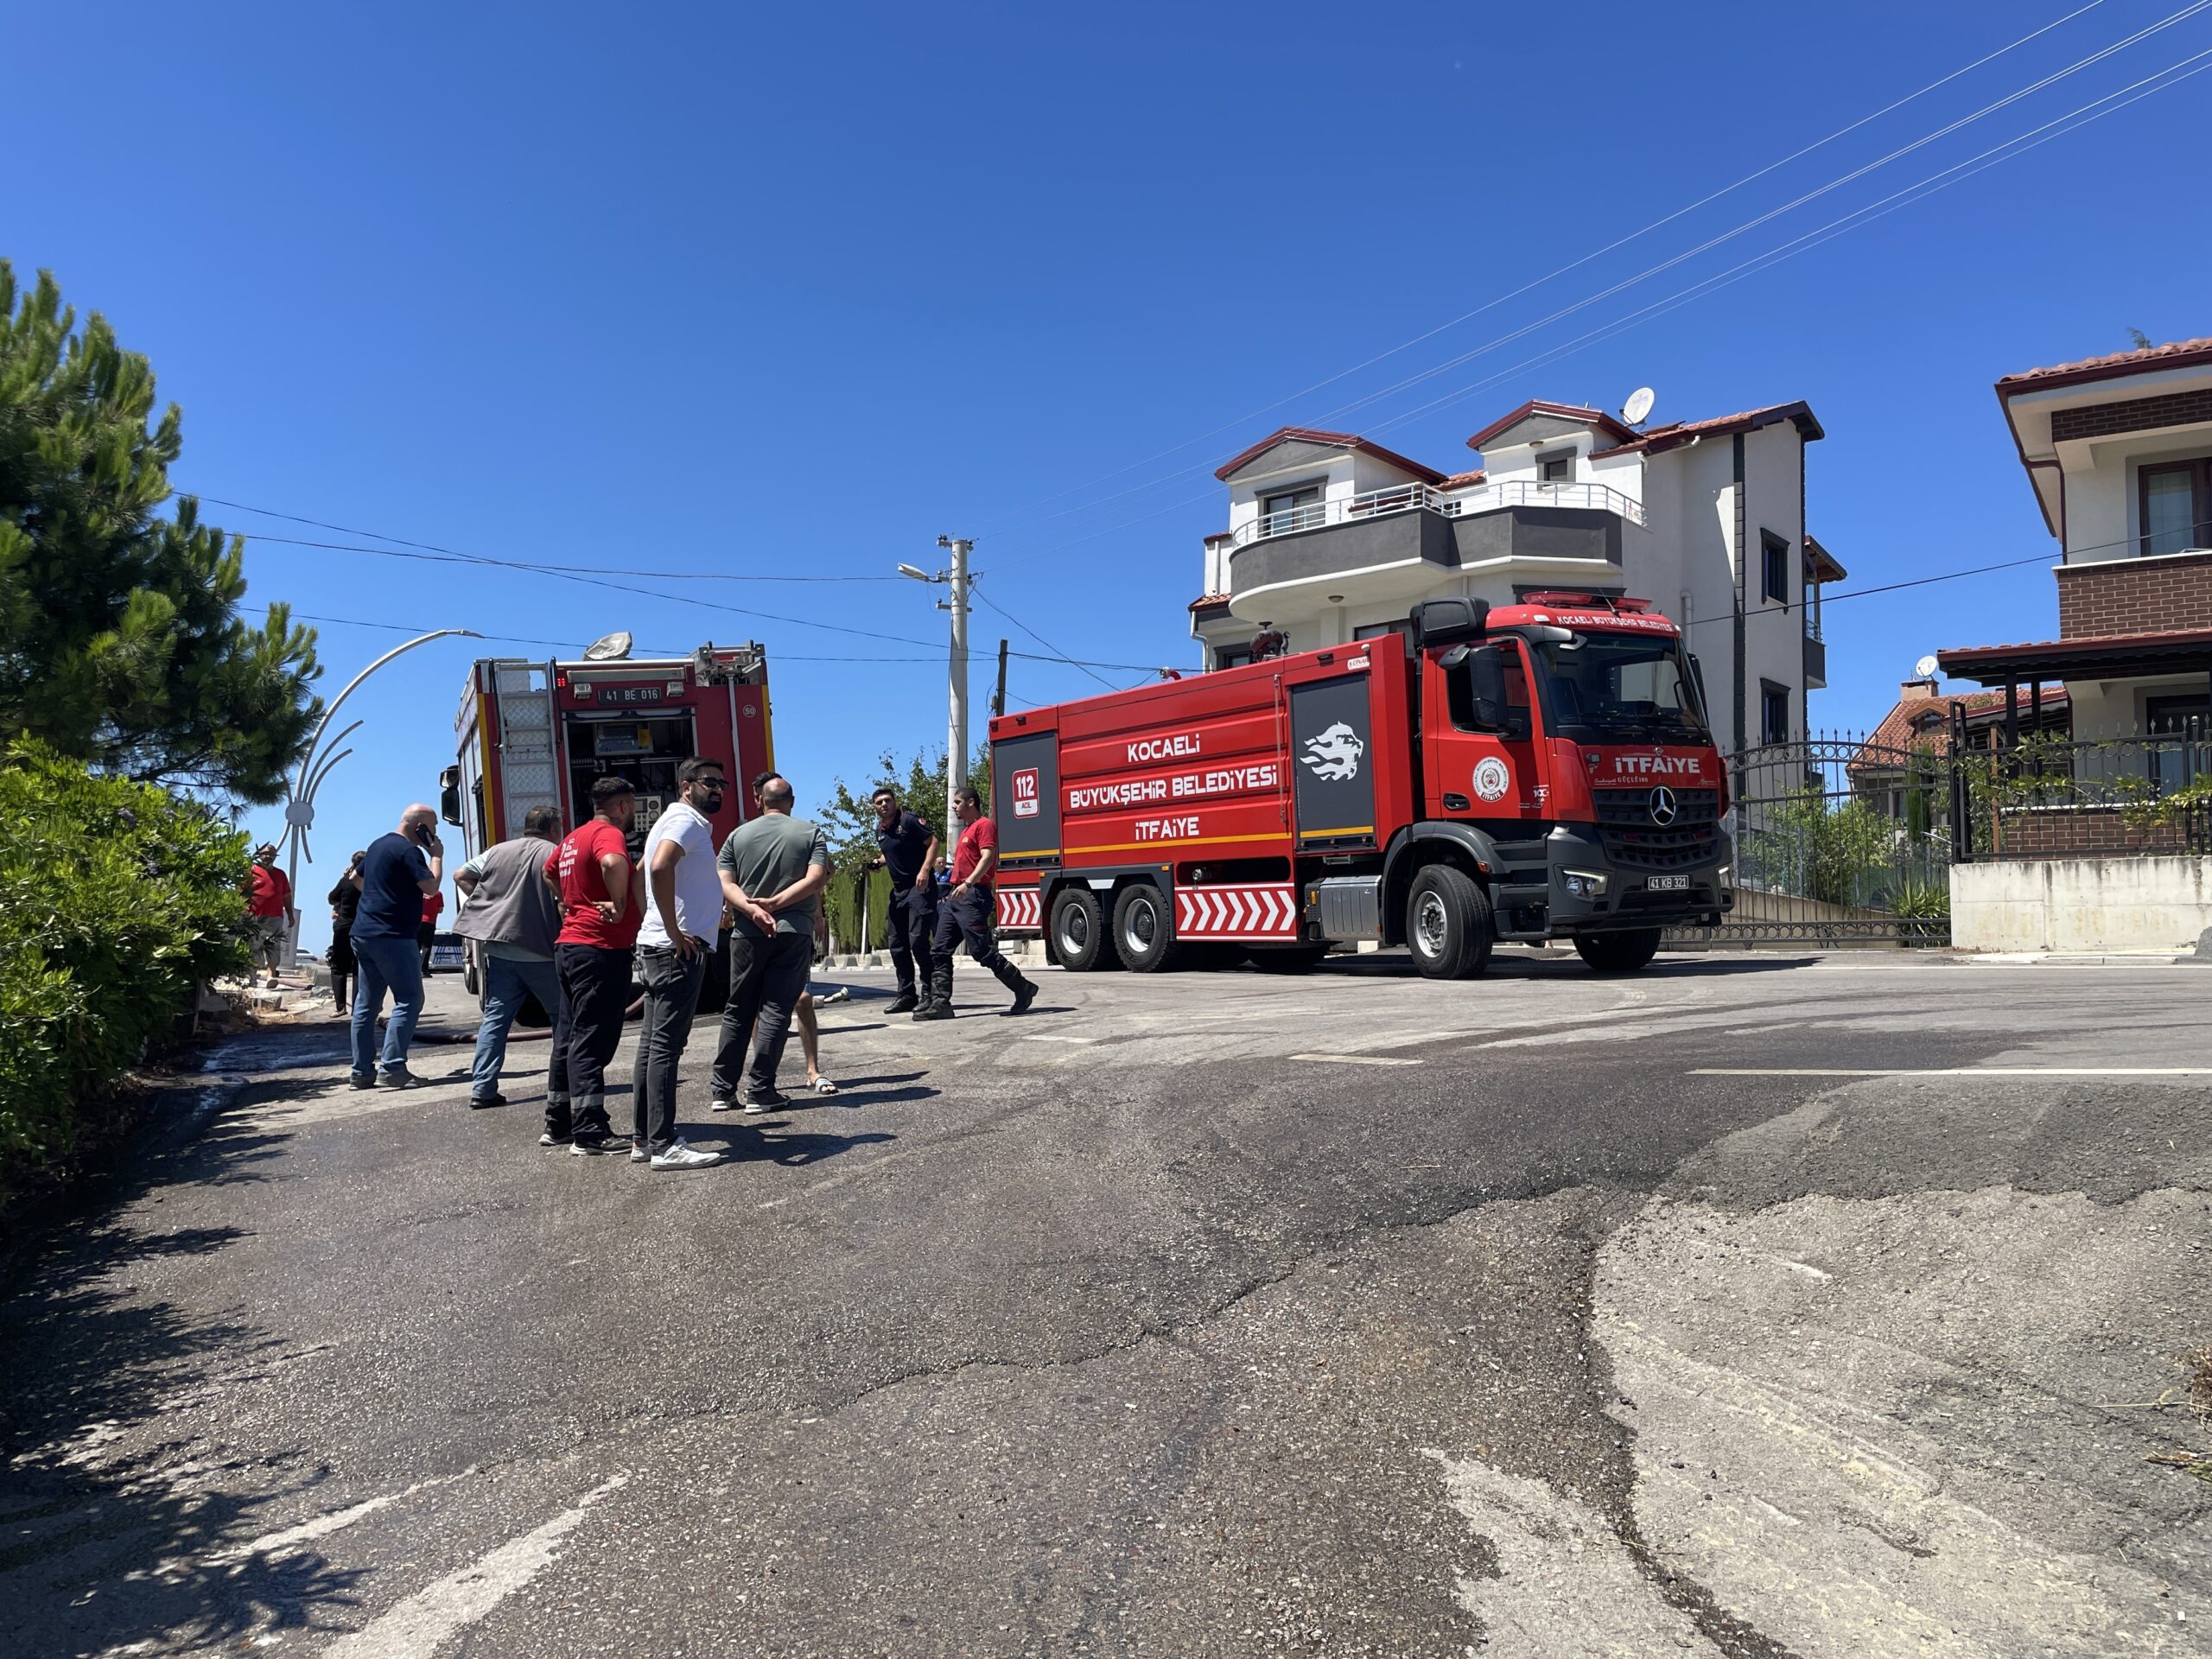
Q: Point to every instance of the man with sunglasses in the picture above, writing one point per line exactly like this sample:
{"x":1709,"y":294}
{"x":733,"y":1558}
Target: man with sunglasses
{"x":683,"y":909}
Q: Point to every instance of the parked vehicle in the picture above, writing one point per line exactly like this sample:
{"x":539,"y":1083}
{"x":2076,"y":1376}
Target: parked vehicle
{"x":535,"y":733}
{"x":1541,"y":770}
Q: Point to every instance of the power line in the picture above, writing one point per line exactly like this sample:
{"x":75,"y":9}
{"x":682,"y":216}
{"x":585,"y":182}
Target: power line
{"x":2180,"y":15}
{"x":2018,"y":145}
{"x":977,"y":592}
{"x":434,"y":554}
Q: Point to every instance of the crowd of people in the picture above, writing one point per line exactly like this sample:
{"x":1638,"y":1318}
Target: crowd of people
{"x":580,"y":924}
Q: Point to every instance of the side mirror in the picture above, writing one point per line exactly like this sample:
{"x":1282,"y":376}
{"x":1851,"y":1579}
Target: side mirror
{"x":449,"y":795}
{"x":1486,"y":688}
{"x":1445,"y":622}
{"x":1697,"y":678}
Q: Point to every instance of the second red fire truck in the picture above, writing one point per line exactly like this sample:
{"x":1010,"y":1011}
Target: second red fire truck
{"x":1536,"y":772}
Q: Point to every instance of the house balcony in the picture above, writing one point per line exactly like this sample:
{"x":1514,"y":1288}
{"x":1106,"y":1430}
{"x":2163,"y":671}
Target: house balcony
{"x":1400,"y":544}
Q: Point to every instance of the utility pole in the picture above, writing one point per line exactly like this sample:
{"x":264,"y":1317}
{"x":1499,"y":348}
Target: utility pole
{"x":998,"y":698}
{"x":956,"y":758}
{"x":956,"y":767}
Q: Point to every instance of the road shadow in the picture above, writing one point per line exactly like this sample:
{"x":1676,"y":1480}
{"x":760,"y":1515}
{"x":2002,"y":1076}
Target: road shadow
{"x":114,"y":1534}
{"x":747,"y":1143}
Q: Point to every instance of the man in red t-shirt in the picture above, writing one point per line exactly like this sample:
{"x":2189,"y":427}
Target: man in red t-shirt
{"x":602,"y":899}
{"x":269,"y":915}
{"x":966,"y":913}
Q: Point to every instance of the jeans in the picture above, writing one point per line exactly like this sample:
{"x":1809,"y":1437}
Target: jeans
{"x":908,"y":921}
{"x":765,"y":978}
{"x":384,"y":965}
{"x":967,"y":919}
{"x":507,"y":980}
{"x":671,"y":997}
{"x":595,"y":995}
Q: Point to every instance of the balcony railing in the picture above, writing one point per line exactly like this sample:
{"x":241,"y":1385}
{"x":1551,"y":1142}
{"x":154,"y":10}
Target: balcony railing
{"x":1404,"y":497}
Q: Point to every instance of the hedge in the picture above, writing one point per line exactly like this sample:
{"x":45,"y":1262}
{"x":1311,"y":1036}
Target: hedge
{"x":117,"y":901}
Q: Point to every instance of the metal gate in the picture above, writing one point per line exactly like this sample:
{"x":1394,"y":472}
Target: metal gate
{"x":1838,"y":841}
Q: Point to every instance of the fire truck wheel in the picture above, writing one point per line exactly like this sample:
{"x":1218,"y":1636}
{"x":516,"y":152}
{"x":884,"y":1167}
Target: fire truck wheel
{"x":1144,"y":928}
{"x":1079,"y":933}
{"x":1619,"y":953}
{"x":1447,"y":923}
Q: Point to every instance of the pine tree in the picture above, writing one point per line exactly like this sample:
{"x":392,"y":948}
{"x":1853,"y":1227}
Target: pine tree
{"x":121,"y":643}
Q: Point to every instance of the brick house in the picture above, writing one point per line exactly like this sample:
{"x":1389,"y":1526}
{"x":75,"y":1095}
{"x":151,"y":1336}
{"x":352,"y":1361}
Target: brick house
{"x":2118,"y":451}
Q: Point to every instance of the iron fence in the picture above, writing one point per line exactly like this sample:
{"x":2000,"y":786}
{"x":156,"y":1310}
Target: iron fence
{"x":2051,"y":795}
{"x":1838,"y":841}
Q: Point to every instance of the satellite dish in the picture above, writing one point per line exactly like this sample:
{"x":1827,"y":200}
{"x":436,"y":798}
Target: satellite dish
{"x":1925,"y":668}
{"x":608,"y":648}
{"x":1637,"y":410}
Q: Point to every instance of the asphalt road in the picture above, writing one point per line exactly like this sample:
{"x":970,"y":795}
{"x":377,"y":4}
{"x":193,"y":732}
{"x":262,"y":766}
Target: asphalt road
{"x":1192,"y":1314}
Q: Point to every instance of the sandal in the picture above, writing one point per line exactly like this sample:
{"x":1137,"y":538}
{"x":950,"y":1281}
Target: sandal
{"x":821,"y":1086}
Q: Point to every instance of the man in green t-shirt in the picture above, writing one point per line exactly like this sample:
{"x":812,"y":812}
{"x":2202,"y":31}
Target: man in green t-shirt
{"x":772,"y":870}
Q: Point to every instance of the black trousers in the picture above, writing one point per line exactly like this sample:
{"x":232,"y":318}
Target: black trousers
{"x":909,"y":923}
{"x":594,"y":995}
{"x":765,"y":978}
{"x":966,"y":919}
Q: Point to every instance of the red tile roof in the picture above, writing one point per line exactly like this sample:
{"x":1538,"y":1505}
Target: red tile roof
{"x":1332,"y":440}
{"x":1902,"y":725}
{"x":1462,"y":481}
{"x":1210,"y":602}
{"x":1596,"y":418}
{"x":1658,"y":440}
{"x":2175,"y":354}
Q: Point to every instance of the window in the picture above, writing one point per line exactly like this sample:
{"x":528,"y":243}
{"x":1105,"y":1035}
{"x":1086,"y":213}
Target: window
{"x":2186,"y":722}
{"x":1611,"y":688}
{"x":1232,"y":656}
{"x":1459,"y":693}
{"x":1774,"y":566}
{"x":1556,"y":469}
{"x":1296,"y":508}
{"x":2176,"y":502}
{"x":1378,"y":630}
{"x":1774,"y":712}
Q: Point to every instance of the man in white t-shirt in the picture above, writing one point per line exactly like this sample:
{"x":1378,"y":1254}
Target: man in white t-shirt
{"x":682,"y":917}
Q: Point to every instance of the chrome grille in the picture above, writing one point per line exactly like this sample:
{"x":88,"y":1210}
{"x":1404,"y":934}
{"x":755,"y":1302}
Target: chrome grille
{"x":1634,"y":841}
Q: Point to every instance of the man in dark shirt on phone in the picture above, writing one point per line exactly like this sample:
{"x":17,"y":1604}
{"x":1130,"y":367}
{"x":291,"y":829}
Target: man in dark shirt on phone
{"x":399,"y":871}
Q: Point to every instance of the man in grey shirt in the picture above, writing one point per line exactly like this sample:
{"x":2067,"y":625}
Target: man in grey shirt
{"x":510,"y":912}
{"x":772,"y":870}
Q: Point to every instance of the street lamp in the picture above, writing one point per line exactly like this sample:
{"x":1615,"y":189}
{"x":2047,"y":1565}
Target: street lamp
{"x":956,"y":762}
{"x":300,"y":793}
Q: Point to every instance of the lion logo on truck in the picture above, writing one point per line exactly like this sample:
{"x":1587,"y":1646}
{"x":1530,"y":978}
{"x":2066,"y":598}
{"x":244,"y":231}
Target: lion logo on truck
{"x":1334,"y":757}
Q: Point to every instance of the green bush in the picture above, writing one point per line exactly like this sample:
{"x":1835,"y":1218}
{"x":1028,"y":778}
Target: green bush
{"x":117,"y":900}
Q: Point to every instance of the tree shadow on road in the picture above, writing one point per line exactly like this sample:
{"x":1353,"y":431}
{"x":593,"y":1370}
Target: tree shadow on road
{"x":115,"y":1526}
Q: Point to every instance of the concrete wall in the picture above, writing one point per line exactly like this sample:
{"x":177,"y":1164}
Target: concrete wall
{"x":2081,"y":904}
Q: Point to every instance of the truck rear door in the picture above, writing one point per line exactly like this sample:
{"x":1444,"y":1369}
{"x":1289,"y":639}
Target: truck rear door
{"x":530,"y":754}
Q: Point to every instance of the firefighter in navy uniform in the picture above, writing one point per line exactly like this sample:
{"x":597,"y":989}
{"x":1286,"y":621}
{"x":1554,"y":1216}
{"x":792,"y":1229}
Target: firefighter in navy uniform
{"x":907,"y":849}
{"x":965,"y":913}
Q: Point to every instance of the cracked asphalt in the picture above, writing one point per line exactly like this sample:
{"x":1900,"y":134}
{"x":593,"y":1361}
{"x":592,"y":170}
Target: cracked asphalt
{"x":1205,"y":1313}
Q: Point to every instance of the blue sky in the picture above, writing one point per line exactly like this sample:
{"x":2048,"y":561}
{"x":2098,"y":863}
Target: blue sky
{"x":793,"y":291}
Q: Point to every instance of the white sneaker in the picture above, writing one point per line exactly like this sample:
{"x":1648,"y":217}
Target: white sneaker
{"x":638,"y":1152}
{"x":684,"y":1155}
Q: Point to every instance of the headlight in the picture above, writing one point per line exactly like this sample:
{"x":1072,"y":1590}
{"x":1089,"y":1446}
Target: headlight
{"x":1727,"y":870}
{"x":1585,"y":884}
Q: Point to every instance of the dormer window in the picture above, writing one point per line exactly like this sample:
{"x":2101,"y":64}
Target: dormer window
{"x":1296,"y":508}
{"x":1557,"y":468}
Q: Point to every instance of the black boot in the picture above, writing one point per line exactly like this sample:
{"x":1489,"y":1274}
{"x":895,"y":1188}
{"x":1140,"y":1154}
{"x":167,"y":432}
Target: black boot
{"x":938,"y":1004}
{"x":1008,"y":975}
{"x":905,"y":1002}
{"x":1024,"y":995}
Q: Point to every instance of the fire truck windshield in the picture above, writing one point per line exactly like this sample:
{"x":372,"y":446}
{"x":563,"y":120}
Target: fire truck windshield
{"x":1615,"y":688}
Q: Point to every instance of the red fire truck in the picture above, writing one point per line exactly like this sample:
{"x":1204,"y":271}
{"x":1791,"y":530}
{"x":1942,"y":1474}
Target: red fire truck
{"x":1536,"y":772}
{"x":537,"y":734}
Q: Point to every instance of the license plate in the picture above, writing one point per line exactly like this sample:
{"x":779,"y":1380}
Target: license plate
{"x":1668,"y":883}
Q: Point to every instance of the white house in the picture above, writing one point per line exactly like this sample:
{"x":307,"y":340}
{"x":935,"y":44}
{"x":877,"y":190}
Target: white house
{"x":1333,"y":538}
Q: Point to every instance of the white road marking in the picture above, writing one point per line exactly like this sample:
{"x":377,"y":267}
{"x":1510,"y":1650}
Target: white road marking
{"x":1953,"y":1071}
{"x":281,"y":1543}
{"x":1566,"y":1583}
{"x":1354,"y":1059}
{"x":1052,"y":1037}
{"x":414,"y":1628}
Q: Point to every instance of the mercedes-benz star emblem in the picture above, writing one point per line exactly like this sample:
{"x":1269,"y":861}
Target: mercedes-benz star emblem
{"x":1663,"y":808}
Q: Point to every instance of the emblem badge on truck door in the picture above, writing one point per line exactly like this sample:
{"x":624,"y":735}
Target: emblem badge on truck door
{"x":1492,"y":778}
{"x":1334,"y":755}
